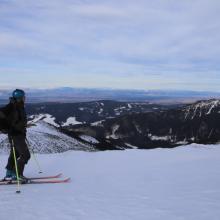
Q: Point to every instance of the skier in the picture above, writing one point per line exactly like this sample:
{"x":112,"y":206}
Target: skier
{"x":15,"y":117}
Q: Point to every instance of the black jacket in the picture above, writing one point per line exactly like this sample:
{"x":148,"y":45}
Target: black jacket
{"x":15,"y":117}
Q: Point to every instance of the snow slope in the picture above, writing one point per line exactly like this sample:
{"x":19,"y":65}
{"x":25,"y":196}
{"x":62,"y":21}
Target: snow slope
{"x":45,"y":138}
{"x":44,"y":117}
{"x":169,"y":184}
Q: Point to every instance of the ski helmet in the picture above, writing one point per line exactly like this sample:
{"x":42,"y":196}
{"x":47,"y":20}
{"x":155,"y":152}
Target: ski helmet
{"x":18,"y":94}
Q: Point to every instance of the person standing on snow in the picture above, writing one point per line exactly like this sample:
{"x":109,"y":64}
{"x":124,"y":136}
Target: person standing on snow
{"x":16,"y":119}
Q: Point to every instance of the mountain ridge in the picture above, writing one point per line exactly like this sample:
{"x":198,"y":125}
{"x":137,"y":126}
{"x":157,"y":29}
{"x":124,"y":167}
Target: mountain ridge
{"x":111,"y":125}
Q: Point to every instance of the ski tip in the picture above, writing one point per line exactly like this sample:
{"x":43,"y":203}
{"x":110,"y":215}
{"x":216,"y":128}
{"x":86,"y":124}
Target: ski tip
{"x":67,"y":180}
{"x":58,"y":175}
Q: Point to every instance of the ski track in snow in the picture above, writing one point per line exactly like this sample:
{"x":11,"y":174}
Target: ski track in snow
{"x":171,"y":184}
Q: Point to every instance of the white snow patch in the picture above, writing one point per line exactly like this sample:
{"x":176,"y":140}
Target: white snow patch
{"x":182,"y":142}
{"x":97,"y":123}
{"x":113,"y":135}
{"x":215,"y":103}
{"x":71,"y":121}
{"x":100,"y":111}
{"x":132,"y":146}
{"x":89,"y":139}
{"x":138,"y":129}
{"x":162,"y":138}
{"x":119,"y":108}
{"x":44,"y":117}
{"x":50,"y":120}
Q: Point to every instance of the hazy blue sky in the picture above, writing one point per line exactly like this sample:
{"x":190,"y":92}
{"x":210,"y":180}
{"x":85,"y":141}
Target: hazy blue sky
{"x":141,"y":44}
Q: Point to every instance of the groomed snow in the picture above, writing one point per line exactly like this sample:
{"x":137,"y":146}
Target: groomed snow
{"x":169,"y":184}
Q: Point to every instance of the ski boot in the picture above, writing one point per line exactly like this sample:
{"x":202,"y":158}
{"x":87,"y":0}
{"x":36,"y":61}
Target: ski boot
{"x":22,"y":179}
{"x":10,"y":175}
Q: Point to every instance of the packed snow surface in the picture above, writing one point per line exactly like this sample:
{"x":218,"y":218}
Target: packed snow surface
{"x":169,"y":184}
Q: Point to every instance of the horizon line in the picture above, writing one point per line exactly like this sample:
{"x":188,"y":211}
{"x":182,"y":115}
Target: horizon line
{"x":108,"y":89}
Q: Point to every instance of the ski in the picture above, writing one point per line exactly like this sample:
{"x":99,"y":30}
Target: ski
{"x":48,"y":181}
{"x":45,"y":177}
{"x":40,"y":177}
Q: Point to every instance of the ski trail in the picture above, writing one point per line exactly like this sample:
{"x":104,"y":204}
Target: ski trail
{"x":175,"y":184}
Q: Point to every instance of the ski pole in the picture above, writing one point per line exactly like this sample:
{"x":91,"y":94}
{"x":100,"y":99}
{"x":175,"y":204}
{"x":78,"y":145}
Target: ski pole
{"x":35,"y":159}
{"x":16,"y":167}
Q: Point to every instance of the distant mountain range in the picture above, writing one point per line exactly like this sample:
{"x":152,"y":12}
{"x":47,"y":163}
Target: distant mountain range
{"x":61,"y":114}
{"x":171,"y":127}
{"x":106,"y":125}
{"x":54,"y":123}
{"x":67,"y":94}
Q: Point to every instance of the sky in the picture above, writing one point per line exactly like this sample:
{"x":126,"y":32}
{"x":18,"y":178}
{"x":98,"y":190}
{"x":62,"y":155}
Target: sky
{"x":125,"y":44}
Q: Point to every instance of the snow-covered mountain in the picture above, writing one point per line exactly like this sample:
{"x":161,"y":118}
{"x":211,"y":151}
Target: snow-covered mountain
{"x":107,"y":125}
{"x":45,"y":138}
{"x":202,"y":108}
{"x":195,"y":123}
{"x":65,"y":114}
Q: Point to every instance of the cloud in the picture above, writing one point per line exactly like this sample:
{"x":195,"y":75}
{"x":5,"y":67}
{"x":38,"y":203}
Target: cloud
{"x":163,"y":38}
